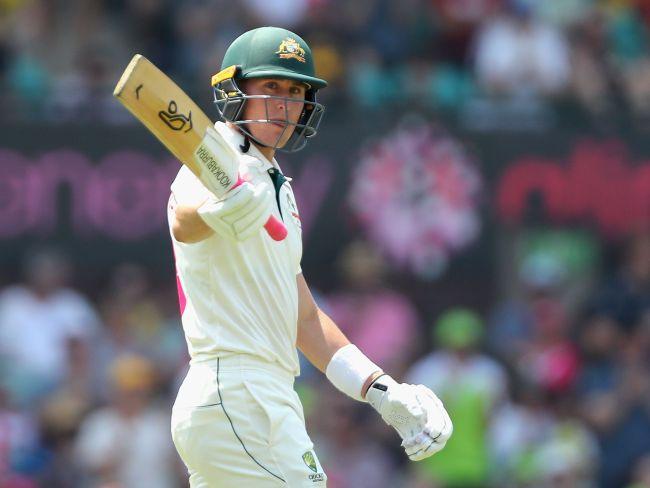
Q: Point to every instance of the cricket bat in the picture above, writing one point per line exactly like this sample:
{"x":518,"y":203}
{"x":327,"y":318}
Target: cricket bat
{"x":176,"y":121}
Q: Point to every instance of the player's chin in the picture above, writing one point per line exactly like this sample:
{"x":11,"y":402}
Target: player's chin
{"x":277,"y":134}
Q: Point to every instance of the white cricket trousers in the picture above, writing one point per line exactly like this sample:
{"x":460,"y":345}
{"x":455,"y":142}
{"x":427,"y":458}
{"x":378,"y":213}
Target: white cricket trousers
{"x":238,"y":423}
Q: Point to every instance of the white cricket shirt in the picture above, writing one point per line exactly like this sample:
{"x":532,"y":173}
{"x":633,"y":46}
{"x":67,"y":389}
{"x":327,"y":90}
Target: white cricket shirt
{"x":240,"y":297}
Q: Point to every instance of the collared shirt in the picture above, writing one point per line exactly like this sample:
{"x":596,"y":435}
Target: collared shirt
{"x":240,"y":297}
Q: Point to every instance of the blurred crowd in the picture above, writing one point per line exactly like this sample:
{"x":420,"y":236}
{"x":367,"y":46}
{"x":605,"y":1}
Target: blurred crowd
{"x":547,"y":387}
{"x":544,"y":391}
{"x":60,"y":59}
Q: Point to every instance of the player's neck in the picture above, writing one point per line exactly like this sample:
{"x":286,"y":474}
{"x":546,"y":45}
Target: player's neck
{"x":267,"y":152}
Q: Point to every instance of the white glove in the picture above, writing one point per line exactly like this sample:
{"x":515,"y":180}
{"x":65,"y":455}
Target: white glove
{"x":415,"y":412}
{"x":241,"y":213}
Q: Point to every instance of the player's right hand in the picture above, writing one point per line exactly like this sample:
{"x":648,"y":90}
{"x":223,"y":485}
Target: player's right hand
{"x":241,"y":213}
{"x":415,"y":412}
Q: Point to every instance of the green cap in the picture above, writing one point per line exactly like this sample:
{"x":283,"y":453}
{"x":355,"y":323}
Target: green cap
{"x":270,"y":52}
{"x":458,"y":328}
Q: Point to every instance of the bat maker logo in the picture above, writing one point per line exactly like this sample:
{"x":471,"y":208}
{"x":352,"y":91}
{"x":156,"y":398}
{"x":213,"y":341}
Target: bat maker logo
{"x":174,"y":120}
{"x":213,"y":166}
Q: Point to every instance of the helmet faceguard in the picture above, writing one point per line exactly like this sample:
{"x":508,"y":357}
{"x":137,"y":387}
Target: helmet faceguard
{"x":230,"y":101}
{"x":276,"y":53}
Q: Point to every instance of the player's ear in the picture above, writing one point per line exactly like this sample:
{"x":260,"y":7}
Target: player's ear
{"x":243,"y":85}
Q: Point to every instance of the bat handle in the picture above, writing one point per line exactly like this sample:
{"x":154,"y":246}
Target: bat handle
{"x":275,"y":228}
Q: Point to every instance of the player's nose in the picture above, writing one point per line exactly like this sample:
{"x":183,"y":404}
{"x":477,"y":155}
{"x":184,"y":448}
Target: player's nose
{"x":289,"y":103}
{"x":279,"y":109}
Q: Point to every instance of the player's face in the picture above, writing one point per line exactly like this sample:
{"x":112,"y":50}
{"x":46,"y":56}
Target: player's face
{"x":281,"y":113}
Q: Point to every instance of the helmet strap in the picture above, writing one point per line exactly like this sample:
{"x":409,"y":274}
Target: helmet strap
{"x":246,"y":145}
{"x":248,"y":137}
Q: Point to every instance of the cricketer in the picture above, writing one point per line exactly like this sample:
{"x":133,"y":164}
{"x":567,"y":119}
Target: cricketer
{"x":245,"y":304}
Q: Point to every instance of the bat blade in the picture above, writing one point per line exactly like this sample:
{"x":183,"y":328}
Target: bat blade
{"x":176,"y":121}
{"x":164,"y":108}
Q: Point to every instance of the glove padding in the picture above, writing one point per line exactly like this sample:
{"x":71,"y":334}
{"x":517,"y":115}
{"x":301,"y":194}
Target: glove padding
{"x":241,"y":213}
{"x":415,"y":412}
{"x":436,"y":432}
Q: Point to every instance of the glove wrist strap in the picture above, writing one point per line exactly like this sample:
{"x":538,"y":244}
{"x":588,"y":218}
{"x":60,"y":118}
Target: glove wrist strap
{"x":377,"y":391}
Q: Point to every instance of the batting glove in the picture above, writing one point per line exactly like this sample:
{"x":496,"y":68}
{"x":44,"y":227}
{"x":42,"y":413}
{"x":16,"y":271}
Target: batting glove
{"x":415,"y":412}
{"x":242,"y":212}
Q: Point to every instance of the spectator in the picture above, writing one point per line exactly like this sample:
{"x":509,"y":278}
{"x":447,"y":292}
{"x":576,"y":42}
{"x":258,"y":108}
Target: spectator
{"x":626,"y":296}
{"x":59,"y":419}
{"x":364,"y":306}
{"x":37,"y":319}
{"x":517,"y":55}
{"x":137,"y":323}
{"x":342,"y":437}
{"x":550,"y":359}
{"x":517,"y":427}
{"x":149,"y":30}
{"x":370,"y":83}
{"x":615,"y":401}
{"x":567,"y":455}
{"x":541,"y":278}
{"x":471,"y":385}
{"x":601,"y":340}
{"x":85,"y":92}
{"x":594,"y":80}
{"x":128,"y":442}
{"x":26,"y":74}
{"x":457,"y":21}
{"x":539,"y":440}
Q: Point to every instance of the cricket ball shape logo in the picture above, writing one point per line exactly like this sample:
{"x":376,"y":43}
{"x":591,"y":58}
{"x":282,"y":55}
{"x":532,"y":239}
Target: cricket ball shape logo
{"x":308,"y":457}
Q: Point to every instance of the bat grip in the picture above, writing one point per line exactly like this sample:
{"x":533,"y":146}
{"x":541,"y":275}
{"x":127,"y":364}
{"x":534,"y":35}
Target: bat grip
{"x":276,"y":229}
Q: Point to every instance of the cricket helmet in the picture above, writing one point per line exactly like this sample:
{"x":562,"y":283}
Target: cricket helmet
{"x":269,"y":52}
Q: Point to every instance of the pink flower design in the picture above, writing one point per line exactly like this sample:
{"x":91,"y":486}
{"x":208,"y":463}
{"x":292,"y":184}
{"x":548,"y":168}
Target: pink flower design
{"x":415,"y":194}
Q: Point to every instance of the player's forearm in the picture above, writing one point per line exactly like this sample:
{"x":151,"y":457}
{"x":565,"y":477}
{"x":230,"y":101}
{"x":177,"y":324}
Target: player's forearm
{"x":319,"y":338}
{"x":327,"y":348}
{"x":188,"y":226}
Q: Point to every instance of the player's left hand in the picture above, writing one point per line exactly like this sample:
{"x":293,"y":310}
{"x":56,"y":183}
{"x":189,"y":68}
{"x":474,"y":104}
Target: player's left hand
{"x":415,"y":412}
{"x":437,"y":429}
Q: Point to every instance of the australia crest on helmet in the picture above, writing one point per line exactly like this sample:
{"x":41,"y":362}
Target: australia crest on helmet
{"x":289,"y":48}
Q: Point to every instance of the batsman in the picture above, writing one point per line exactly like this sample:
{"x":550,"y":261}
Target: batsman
{"x":245,"y":304}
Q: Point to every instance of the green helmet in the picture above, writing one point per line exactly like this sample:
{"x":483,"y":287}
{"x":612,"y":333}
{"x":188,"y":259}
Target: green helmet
{"x":268,"y":52}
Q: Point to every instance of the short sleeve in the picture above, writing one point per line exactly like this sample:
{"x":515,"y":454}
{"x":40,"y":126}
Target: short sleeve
{"x":187,"y":189}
